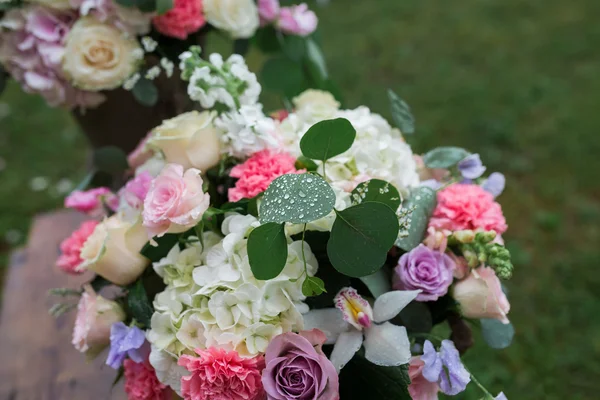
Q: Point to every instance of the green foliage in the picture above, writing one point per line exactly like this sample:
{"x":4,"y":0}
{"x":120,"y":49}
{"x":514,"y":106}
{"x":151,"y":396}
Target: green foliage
{"x":267,"y":250}
{"x":3,"y":77}
{"x":119,"y":376}
{"x":162,"y":6}
{"x":316,"y":65}
{"x":283,"y":76}
{"x":297,"y":198}
{"x":241,"y":46}
{"x":361,"y":237}
{"x":496,"y":334}
{"x":423,"y":202}
{"x":98,"y":283}
{"x":361,"y":379}
{"x":401,"y":114}
{"x":327,"y":139}
{"x":416,"y":317}
{"x":266,"y":40}
{"x":444,"y":157}
{"x":7,"y":6}
{"x":313,"y":286}
{"x":138,"y":303}
{"x":142,"y":5}
{"x":110,"y":159}
{"x":378,"y":283}
{"x":306,"y":163}
{"x":165,"y":244}
{"x":145,"y":92}
{"x":377,"y":190}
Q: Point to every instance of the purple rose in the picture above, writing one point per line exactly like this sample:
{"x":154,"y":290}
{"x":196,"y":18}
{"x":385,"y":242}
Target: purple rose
{"x":297,"y":368}
{"x":424,"y":269}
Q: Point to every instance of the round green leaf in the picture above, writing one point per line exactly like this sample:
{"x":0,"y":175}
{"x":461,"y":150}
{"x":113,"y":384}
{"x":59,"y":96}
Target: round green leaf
{"x":377,"y":190}
{"x":401,"y":113}
{"x":361,"y":237}
{"x":327,"y":139}
{"x":378,"y":283}
{"x":267,"y":251}
{"x":423,"y":200}
{"x":496,"y":334}
{"x":297,"y":198}
{"x":110,"y":159}
{"x":145,"y":92}
{"x":444,"y":157}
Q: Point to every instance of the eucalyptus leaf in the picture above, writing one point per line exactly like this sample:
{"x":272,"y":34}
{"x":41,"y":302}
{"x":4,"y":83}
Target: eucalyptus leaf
{"x":317,"y":67}
{"x":496,"y":334}
{"x":138,"y":303}
{"x":401,"y":114}
{"x":423,"y":199}
{"x":267,"y":250}
{"x":165,"y":244}
{"x":110,"y":159}
{"x":378,"y":283}
{"x":162,"y":6}
{"x":361,"y":237}
{"x":377,"y":190}
{"x":145,"y":92}
{"x":327,"y":139}
{"x":294,"y":47}
{"x":297,"y":198}
{"x":444,"y":157}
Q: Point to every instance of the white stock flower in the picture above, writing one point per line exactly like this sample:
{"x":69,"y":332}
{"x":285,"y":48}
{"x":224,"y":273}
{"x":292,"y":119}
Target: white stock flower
{"x":237,"y":17}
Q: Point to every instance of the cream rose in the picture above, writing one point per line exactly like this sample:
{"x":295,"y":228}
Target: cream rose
{"x":190,"y":140}
{"x":113,"y":250}
{"x":98,"y":56}
{"x":238,"y":17}
{"x":316,"y":105}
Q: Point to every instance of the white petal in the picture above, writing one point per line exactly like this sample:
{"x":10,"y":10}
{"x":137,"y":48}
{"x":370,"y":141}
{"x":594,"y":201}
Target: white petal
{"x":387,"y":345}
{"x":389,"y":304}
{"x":329,"y":320}
{"x":345,"y":348}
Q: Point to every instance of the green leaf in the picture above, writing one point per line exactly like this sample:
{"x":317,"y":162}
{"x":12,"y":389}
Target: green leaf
{"x":294,"y":47}
{"x":165,"y":244}
{"x":496,"y":334}
{"x":267,"y":250}
{"x":401,"y":114}
{"x":416,"y":317}
{"x":119,"y":376}
{"x":8,"y":5}
{"x":297,"y":198}
{"x":361,"y":237}
{"x":3,"y":78}
{"x":282,"y":75}
{"x":361,"y":379}
{"x":306,"y":163}
{"x":313,"y":286}
{"x":327,"y":139}
{"x":138,"y":303}
{"x":377,"y":190}
{"x":444,"y":157}
{"x":98,"y":283}
{"x":241,"y":46}
{"x":110,"y":159}
{"x":145,"y":92}
{"x":423,"y":199}
{"x":266,"y":40}
{"x":316,"y":64}
{"x":162,"y":6}
{"x":378,"y":283}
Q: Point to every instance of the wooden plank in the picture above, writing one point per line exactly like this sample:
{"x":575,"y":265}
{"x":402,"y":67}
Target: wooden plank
{"x":37,"y":360}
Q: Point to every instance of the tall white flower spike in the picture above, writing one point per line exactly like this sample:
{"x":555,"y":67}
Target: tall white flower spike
{"x":353,"y":323}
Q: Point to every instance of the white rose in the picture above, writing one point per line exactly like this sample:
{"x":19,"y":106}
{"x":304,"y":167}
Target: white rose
{"x":238,"y":17}
{"x":190,"y":139}
{"x":316,"y":105}
{"x":98,"y":56}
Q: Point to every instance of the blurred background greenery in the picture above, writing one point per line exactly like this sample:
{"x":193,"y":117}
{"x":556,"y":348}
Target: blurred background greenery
{"x":517,"y":81}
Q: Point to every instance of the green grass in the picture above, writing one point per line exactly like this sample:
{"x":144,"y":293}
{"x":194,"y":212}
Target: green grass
{"x":518,"y":82}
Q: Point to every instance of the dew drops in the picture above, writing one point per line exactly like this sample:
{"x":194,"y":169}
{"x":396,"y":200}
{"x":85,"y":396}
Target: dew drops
{"x":309,"y":180}
{"x":286,"y":196}
{"x":301,"y":194}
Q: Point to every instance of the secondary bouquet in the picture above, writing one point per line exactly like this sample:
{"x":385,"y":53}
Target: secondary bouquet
{"x":72,"y":51}
{"x":308,"y":254}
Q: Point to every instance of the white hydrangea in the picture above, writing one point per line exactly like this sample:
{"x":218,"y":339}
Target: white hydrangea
{"x":167,"y":370}
{"x":213,"y":299}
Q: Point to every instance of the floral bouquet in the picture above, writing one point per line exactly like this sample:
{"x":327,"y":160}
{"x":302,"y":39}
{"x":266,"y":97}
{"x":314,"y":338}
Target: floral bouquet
{"x":306,"y":254}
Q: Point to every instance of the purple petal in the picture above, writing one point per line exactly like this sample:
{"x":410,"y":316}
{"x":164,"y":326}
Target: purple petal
{"x":133,"y":340}
{"x":457,"y":377}
{"x":500,"y":396}
{"x":433,"y":363}
{"x":471,"y":167}
{"x":494,"y":184}
{"x":432,"y":184}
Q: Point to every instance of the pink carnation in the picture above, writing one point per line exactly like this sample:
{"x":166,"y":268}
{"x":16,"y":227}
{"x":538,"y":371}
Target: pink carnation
{"x":219,"y":374}
{"x":420,"y":388}
{"x":70,"y":248}
{"x":91,"y":202}
{"x":256,"y":173}
{"x":141,"y":382}
{"x":184,"y":18}
{"x":464,"y":206}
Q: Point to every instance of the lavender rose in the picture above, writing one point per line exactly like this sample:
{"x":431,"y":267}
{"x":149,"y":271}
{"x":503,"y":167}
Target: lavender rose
{"x":297,"y":368}
{"x":424,"y":269}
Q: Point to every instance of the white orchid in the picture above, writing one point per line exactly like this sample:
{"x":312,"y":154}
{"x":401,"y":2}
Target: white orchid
{"x":353,"y":323}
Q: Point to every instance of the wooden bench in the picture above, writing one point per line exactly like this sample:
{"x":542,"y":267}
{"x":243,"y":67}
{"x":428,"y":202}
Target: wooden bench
{"x":37,"y":359}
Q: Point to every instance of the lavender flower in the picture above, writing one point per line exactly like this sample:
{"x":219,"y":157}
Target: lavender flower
{"x":445,"y":368}
{"x":124,"y":341}
{"x":471,"y":167}
{"x":494,"y":184}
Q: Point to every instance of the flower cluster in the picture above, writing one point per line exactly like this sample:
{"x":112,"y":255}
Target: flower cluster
{"x":247,"y":221}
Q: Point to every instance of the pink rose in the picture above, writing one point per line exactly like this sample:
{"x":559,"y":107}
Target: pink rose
{"x":268,"y":10}
{"x":480,"y":295}
{"x":420,"y":388}
{"x":70,"y":248}
{"x":91,"y":202}
{"x":134,"y":192}
{"x":465,"y":206}
{"x":175,"y":201}
{"x":221,"y":374}
{"x":184,"y":18}
{"x":141,"y":153}
{"x":95,"y":316}
{"x":141,"y":382}
{"x":297,"y":20}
